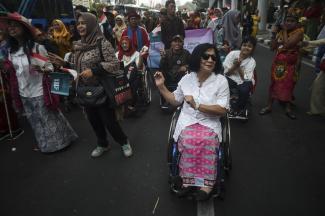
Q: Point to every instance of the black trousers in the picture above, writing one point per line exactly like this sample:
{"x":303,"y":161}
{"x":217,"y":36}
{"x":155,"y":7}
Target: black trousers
{"x":102,"y":118}
{"x":243,"y":93}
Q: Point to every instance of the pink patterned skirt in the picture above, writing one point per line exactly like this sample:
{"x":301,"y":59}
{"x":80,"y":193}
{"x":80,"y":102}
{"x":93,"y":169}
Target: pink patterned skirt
{"x":199,"y":147}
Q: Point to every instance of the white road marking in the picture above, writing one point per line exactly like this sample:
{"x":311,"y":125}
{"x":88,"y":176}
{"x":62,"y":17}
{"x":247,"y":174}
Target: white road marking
{"x":205,"y":208}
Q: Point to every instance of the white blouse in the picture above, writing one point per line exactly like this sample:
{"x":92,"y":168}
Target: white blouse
{"x":30,"y":83}
{"x":213,"y":91}
{"x":248,"y":65}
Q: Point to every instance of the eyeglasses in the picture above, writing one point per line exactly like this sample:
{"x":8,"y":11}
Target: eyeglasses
{"x":206,"y":56}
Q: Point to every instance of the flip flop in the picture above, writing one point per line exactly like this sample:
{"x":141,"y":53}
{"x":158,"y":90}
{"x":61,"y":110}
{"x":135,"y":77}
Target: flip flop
{"x":265,"y":111}
{"x":291,"y":115}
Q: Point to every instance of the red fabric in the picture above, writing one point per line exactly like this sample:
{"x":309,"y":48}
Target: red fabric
{"x":313,"y":12}
{"x":128,"y":52}
{"x":282,"y":86}
{"x":4,"y":126}
{"x":322,"y":65}
{"x":145,"y":39}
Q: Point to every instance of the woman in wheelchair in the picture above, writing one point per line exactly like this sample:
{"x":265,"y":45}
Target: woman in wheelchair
{"x":132,"y":62}
{"x":198,"y":129}
{"x":239,"y":67}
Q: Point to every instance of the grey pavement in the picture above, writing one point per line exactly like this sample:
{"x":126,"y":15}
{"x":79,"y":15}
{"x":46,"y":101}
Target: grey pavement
{"x":278,"y":166}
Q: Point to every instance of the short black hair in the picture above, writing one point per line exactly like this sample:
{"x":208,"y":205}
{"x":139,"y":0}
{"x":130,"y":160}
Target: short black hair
{"x":81,"y":8}
{"x":93,"y":12}
{"x":249,"y":39}
{"x":169,"y":2}
{"x":195,"y":59}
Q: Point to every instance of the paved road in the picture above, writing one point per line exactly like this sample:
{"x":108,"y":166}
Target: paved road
{"x":278,"y":166}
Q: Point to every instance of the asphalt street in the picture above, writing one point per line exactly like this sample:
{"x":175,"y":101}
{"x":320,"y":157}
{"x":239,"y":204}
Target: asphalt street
{"x":278,"y":165}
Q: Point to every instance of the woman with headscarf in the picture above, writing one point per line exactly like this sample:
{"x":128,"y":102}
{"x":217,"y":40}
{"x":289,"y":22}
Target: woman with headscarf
{"x":61,"y":36}
{"x":119,"y":27}
{"x":230,"y":29}
{"x":30,"y":87}
{"x":284,"y":72}
{"x":256,"y":19}
{"x":94,"y":59}
{"x":132,"y":63}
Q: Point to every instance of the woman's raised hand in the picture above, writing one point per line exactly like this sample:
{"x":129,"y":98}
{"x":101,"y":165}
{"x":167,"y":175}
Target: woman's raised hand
{"x":56,"y":60}
{"x":159,"y":79}
{"x":190,"y":100}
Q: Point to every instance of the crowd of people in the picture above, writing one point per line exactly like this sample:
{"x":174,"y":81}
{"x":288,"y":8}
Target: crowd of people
{"x":201,"y":82}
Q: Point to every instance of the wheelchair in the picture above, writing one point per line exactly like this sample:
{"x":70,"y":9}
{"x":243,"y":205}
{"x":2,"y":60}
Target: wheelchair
{"x":144,"y":90}
{"x":163,"y":105}
{"x":233,"y":99}
{"x":171,"y":86}
{"x":224,"y":164}
{"x":140,"y":84}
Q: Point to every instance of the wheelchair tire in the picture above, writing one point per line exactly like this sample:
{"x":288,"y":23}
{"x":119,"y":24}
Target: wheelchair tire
{"x":226,"y":141}
{"x":170,"y":140}
{"x":146,"y":88}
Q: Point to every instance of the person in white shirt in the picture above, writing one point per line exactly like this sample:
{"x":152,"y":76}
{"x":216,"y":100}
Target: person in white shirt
{"x":198,"y":130}
{"x":31,"y":91}
{"x":239,"y":67}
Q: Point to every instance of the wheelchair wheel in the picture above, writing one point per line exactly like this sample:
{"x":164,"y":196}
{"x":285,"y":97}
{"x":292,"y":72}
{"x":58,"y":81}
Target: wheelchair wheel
{"x":146,"y":88}
{"x":226,"y":141}
{"x":170,"y":140}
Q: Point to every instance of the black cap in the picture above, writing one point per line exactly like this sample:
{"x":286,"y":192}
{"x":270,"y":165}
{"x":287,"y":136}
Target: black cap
{"x":178,"y":37}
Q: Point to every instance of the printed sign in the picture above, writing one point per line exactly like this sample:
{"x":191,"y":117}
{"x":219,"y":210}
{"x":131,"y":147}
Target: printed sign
{"x":61,"y":83}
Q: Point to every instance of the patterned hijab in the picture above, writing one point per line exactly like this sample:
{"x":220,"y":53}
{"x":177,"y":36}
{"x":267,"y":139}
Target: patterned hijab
{"x":231,"y":28}
{"x":89,"y":41}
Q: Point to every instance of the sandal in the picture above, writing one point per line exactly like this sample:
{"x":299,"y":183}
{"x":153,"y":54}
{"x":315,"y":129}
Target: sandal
{"x":265,"y":110}
{"x":291,"y":115}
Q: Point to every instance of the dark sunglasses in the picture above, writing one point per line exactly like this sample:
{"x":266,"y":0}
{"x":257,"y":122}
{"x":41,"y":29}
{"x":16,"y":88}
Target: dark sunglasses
{"x":207,"y":56}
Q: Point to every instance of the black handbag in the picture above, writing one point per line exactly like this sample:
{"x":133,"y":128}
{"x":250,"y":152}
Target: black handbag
{"x":90,"y":95}
{"x":120,"y":89}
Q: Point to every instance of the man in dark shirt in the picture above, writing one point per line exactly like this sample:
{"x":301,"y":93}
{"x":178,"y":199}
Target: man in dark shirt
{"x":172,"y":26}
{"x":174,"y":62}
{"x":174,"y":65}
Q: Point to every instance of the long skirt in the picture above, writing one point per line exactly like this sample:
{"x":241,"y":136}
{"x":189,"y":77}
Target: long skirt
{"x":51,"y":129}
{"x":199,"y":147}
{"x":317,"y":100}
{"x":284,"y":76}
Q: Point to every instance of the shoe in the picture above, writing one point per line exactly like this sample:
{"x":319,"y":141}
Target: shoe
{"x":202,"y":195}
{"x":265,"y":111}
{"x":98,"y":151}
{"x":16,"y":134}
{"x":242,"y":113}
{"x":127,"y":150}
{"x":291,"y":115}
{"x":4,"y":136}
